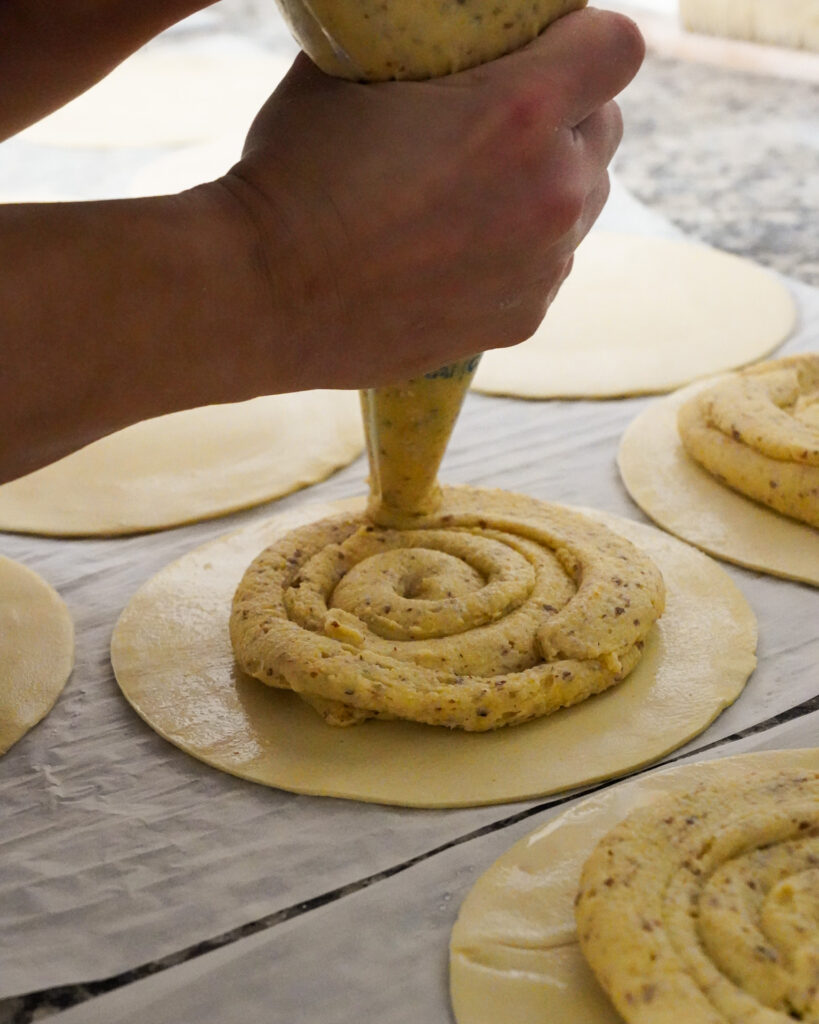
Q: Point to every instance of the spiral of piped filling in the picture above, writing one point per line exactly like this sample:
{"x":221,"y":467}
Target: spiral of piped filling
{"x":704,"y":908}
{"x":758,"y":432}
{"x":471,"y":619}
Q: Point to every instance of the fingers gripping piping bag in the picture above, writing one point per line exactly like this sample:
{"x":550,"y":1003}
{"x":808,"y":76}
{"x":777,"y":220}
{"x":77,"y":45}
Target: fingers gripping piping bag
{"x":408,"y":425}
{"x":377,"y":40}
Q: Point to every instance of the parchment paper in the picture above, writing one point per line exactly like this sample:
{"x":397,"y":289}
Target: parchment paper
{"x":379,"y":954}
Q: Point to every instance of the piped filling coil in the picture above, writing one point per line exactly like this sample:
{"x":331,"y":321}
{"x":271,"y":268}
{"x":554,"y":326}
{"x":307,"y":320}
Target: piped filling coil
{"x":704,"y":907}
{"x":497,"y":610}
{"x":757,"y":431}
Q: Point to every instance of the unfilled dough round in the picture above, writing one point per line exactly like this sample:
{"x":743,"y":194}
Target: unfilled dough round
{"x":166,"y":97}
{"x":188,"y":466}
{"x":682,"y":497}
{"x":36,"y":650}
{"x":173,"y":660}
{"x":642,"y":315}
{"x":514,"y":953}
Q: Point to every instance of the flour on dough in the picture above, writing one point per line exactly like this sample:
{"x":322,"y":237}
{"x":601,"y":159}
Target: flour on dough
{"x":36,"y":650}
{"x":642,"y":315}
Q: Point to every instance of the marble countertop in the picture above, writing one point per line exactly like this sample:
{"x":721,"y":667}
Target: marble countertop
{"x":731,"y":158}
{"x":728,"y":157}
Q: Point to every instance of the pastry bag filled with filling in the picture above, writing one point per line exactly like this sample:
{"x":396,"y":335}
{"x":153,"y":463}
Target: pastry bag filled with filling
{"x":465,"y":608}
{"x":408,"y":425}
{"x":374,"y":40}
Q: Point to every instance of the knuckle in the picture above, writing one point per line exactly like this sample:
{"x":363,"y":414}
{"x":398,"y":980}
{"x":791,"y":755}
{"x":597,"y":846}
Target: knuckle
{"x":523,"y":111}
{"x":604,"y":189}
{"x":523,"y":120}
{"x":568,"y":266}
{"x":561,"y":208}
{"x":526,"y":320}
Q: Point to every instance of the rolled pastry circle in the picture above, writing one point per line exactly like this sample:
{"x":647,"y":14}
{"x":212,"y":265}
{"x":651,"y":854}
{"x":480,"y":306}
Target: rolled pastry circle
{"x":757,"y":431}
{"x":173,"y":660}
{"x":665,"y":313}
{"x":165,"y":95}
{"x":709,"y":900}
{"x":498,"y":610}
{"x":36,"y":650}
{"x":188,"y":466}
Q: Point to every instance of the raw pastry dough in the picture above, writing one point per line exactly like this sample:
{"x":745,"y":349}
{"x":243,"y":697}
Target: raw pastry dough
{"x":514,"y":953}
{"x":492,"y":611}
{"x":681,"y":497}
{"x":172,"y":657}
{"x":704,"y":907}
{"x":188,"y":466}
{"x":163,"y":97}
{"x":639,"y":315}
{"x":758,"y":432}
{"x":36,"y":650}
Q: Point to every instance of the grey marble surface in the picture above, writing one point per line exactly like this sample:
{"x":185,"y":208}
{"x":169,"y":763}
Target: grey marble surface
{"x":727,"y":157}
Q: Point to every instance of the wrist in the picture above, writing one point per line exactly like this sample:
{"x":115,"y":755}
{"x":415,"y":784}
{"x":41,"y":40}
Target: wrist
{"x":252,"y":317}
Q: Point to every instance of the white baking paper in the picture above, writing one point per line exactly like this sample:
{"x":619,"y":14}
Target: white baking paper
{"x":379,"y":954}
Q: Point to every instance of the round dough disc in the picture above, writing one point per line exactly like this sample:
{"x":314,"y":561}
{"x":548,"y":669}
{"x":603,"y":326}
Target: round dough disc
{"x":165,"y":97}
{"x":36,"y":650}
{"x":188,"y":466}
{"x":514,"y":953}
{"x":683,"y":498}
{"x":639,"y":315}
{"x":173,"y":660}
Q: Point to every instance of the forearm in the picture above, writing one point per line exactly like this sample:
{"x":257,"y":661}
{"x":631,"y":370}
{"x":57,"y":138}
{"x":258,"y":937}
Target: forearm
{"x":113,"y":312}
{"x":52,"y":50}
{"x":369,"y":234}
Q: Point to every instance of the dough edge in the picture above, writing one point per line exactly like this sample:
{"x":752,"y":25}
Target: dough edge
{"x":684,"y":499}
{"x":36,"y":650}
{"x":67,"y":499}
{"x":620,"y":362}
{"x":493,"y":969}
{"x":190,"y":692}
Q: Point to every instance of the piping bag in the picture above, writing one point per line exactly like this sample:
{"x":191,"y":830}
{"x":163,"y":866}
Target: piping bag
{"x":408,"y":425}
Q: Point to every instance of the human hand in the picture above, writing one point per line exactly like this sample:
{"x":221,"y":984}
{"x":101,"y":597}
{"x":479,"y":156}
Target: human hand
{"x":400,"y":226}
